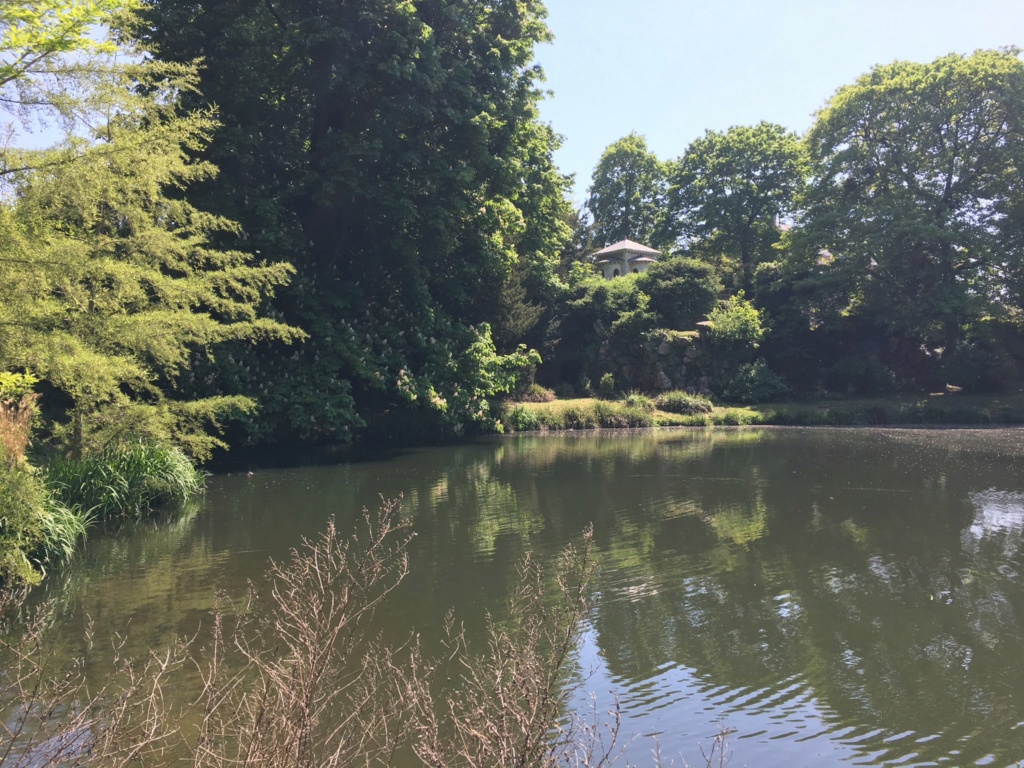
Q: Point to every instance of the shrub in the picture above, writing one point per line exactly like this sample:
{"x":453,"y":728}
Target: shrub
{"x":639,"y":400}
{"x":565,"y":392}
{"x":535,"y":393}
{"x":521,"y":420}
{"x":576,"y":417}
{"x":22,"y":531}
{"x":861,"y":376}
{"x":737,"y":417}
{"x":124,"y":480}
{"x":638,"y":417}
{"x":606,"y":387}
{"x":684,"y":403}
{"x":979,"y":367}
{"x":754,"y":383}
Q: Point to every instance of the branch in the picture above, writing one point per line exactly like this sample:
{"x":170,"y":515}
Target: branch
{"x":277,"y":17}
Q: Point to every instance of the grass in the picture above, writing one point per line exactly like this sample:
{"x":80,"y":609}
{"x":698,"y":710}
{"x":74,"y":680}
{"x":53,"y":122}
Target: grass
{"x":944,"y":408}
{"x":123,"y":481}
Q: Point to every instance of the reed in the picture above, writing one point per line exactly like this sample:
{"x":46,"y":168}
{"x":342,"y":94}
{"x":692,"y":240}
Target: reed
{"x":124,"y":481}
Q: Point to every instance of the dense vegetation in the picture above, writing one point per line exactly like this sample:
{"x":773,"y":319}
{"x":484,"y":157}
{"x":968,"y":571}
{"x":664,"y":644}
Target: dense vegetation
{"x":879,"y":253}
{"x":346,"y":222}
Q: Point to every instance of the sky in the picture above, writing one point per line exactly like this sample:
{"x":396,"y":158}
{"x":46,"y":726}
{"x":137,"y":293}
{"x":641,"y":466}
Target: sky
{"x":672,"y":69}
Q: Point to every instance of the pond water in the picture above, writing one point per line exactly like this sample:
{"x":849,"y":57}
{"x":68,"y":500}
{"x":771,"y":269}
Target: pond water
{"x":831,"y":596}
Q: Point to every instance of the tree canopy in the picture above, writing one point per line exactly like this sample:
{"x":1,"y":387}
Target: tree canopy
{"x":392,"y":152}
{"x":914,"y":217}
{"x":728,"y":190}
{"x":627,"y":194}
{"x":110,"y":284}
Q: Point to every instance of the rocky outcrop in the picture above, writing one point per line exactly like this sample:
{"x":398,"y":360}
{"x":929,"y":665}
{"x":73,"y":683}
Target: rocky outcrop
{"x":660,"y":360}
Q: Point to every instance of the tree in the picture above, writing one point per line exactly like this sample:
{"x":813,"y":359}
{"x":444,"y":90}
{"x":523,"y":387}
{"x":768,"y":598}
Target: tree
{"x":109,"y":282}
{"x":913,"y":220}
{"x":53,"y":68}
{"x":393,"y":153}
{"x":728,"y":190}
{"x":682,"y":291}
{"x":627,"y":194}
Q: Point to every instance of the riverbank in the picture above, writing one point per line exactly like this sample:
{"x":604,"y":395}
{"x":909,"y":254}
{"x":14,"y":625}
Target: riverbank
{"x":639,"y":411}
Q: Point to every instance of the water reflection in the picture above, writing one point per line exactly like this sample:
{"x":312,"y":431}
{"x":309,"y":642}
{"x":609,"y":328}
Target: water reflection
{"x":832,"y":594}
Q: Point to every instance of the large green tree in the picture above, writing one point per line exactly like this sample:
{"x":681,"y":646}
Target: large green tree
{"x":728,"y":191}
{"x":109,"y":282}
{"x":627,"y":194}
{"x":392,"y":151}
{"x":913,"y":220}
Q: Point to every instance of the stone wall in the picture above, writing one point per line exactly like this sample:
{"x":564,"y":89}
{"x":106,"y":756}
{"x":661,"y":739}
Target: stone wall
{"x":660,"y":360}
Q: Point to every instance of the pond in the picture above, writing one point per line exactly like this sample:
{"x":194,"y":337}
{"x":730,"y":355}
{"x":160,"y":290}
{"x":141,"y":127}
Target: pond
{"x":827,"y":595}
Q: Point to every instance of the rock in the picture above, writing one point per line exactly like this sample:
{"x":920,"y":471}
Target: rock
{"x":662,"y":381}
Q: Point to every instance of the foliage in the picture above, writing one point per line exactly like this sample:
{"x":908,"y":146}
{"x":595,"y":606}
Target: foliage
{"x":14,"y":386}
{"x":606,"y":386}
{"x":638,"y":400}
{"x":978,"y":364}
{"x":861,"y":376}
{"x":518,"y":419}
{"x":913,"y":221}
{"x":393,"y":153}
{"x":735,"y":324}
{"x":124,"y":480}
{"x":516,"y":315}
{"x":684,"y":403}
{"x":22,"y":510}
{"x":754,"y":383}
{"x":682,"y":291}
{"x":110,"y":283}
{"x":627,"y":194}
{"x":38,"y":38}
{"x":734,"y":330}
{"x":586,"y":318}
{"x":728,"y":190}
{"x":35,"y":528}
{"x":535,"y":393}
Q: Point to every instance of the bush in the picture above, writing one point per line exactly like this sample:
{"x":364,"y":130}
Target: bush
{"x":735,"y":417}
{"x":124,"y":480}
{"x":861,"y":376}
{"x":606,"y":387}
{"x":565,"y":392}
{"x":682,"y":291}
{"x":22,"y":532}
{"x":683,"y":403}
{"x":535,"y":393}
{"x":639,"y":400}
{"x":979,"y":367}
{"x":754,"y":383}
{"x":521,"y":420}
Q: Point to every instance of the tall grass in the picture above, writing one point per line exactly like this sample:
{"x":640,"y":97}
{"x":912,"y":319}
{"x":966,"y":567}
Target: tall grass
{"x":125,"y":480}
{"x":683,"y":403}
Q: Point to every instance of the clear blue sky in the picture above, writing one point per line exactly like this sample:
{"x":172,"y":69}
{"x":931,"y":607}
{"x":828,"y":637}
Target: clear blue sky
{"x":671,"y":69}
